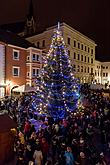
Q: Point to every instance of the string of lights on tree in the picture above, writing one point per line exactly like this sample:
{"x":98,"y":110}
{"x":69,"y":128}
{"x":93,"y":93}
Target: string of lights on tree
{"x":57,"y":90}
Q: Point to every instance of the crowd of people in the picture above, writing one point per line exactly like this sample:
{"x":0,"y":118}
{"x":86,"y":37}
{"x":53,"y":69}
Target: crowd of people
{"x":82,"y":138}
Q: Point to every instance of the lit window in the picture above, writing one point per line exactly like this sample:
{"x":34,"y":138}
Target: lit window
{"x":15,"y":54}
{"x":16,"y":71}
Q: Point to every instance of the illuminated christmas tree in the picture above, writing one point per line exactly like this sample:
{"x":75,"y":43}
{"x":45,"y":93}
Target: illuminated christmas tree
{"x":58,"y":91}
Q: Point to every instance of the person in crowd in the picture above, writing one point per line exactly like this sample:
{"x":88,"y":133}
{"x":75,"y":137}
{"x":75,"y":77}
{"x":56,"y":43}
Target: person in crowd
{"x":38,"y":157}
{"x":69,"y":158}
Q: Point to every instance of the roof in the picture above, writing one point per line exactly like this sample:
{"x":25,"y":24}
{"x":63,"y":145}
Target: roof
{"x":6,"y":123}
{"x":13,"y":39}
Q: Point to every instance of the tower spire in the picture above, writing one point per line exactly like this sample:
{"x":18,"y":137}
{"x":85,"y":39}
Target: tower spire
{"x":30,"y":12}
{"x":30,"y":27}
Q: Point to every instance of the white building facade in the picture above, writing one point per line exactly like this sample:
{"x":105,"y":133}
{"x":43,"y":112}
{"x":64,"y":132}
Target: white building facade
{"x":81,"y":50}
{"x":102,"y":72}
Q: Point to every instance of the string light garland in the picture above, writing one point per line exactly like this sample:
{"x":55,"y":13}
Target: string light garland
{"x":58,"y":92}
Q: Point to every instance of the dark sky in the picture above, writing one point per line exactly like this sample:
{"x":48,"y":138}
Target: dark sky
{"x":91,"y":17}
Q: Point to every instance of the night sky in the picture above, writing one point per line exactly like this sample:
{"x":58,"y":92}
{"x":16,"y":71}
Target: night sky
{"x":90,"y":17}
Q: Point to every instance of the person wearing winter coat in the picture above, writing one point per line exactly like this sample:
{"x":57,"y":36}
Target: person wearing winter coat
{"x":38,"y":157}
{"x":69,"y":158}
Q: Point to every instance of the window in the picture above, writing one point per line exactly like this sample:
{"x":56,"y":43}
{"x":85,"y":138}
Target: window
{"x":85,"y":48}
{"x":88,"y":49}
{"x":85,"y":69}
{"x":15,"y":54}
{"x":106,"y":67}
{"x":81,"y":57}
{"x":74,"y":43}
{"x":91,"y":51}
{"x":43,"y":43}
{"x":103,"y":74}
{"x":28,"y":58}
{"x":78,"y":68}
{"x":35,"y":57}
{"x":103,"y":67}
{"x":16,"y":71}
{"x":27,"y":74}
{"x":81,"y":46}
{"x":95,"y":73}
{"x":35,"y":72}
{"x":88,"y":59}
{"x":81,"y":68}
{"x":88,"y":69}
{"x":91,"y":70}
{"x":98,"y":73}
{"x":68,"y":41}
{"x":91,"y":60}
{"x":78,"y":56}
{"x":85,"y":58}
{"x":106,"y":74}
{"x":78,"y":45}
{"x":74,"y":55}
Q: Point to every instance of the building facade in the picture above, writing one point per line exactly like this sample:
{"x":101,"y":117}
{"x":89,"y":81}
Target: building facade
{"x":81,"y":50}
{"x":33,"y":65}
{"x":20,"y":63}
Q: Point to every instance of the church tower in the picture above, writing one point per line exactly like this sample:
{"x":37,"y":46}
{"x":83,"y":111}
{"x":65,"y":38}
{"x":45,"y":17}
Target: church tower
{"x":30,"y":27}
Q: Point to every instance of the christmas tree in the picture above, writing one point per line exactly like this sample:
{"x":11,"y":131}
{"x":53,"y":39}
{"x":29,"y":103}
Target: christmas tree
{"x":58,"y":91}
